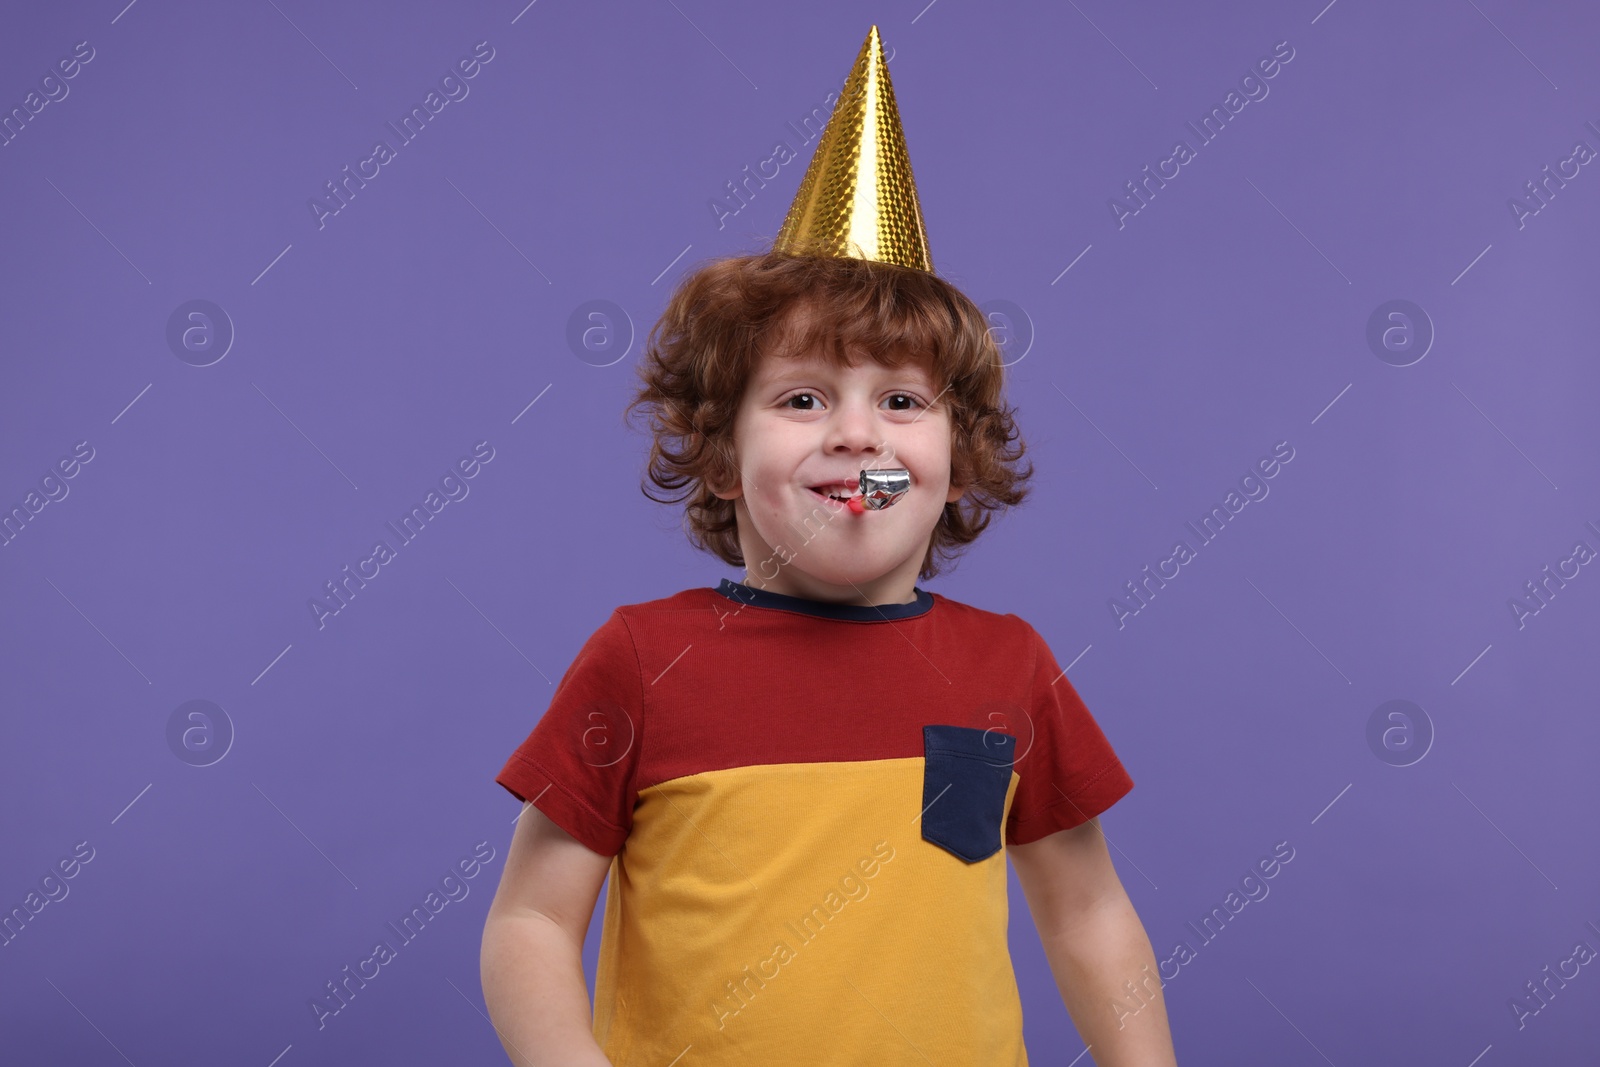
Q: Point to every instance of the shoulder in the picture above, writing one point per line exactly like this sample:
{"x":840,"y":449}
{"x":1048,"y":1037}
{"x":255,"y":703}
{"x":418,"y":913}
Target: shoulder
{"x":629,"y":626}
{"x":1004,"y":625}
{"x":669,"y":618}
{"x":686,"y":601}
{"x":998,"y":645}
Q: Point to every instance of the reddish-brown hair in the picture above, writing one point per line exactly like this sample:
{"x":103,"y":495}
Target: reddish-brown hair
{"x":729,"y":312}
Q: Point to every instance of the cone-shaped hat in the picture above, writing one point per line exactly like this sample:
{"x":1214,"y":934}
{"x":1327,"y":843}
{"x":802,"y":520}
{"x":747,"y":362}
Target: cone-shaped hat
{"x":857,"y":200}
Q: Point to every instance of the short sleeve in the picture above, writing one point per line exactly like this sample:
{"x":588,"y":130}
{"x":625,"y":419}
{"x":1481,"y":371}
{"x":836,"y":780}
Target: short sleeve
{"x":1069,"y":772}
{"x":579,"y":763}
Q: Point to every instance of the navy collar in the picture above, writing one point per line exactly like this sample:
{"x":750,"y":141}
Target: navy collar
{"x":765,"y":598}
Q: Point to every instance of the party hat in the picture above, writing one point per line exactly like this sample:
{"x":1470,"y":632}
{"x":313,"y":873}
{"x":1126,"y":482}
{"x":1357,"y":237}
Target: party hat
{"x":857,"y":200}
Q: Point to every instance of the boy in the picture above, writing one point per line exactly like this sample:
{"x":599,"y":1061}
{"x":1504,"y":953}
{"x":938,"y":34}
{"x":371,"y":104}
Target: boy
{"x":804,"y":785}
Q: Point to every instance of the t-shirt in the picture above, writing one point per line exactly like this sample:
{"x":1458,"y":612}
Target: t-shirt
{"x":807,"y":806}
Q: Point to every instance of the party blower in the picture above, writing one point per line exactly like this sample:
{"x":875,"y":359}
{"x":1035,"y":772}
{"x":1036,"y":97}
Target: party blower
{"x":879,"y":489}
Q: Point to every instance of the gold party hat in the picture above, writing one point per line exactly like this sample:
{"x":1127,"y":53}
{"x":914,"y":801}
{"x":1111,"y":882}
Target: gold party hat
{"x":857,"y":200}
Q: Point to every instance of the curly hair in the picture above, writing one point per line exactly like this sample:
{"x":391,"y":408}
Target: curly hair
{"x":727,"y":313}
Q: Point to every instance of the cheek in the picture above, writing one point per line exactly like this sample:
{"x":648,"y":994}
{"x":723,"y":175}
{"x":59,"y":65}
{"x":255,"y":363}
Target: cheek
{"x":936,"y":455}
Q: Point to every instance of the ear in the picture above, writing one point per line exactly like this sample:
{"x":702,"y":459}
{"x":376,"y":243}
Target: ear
{"x":727,"y":494}
{"x":957,"y":488}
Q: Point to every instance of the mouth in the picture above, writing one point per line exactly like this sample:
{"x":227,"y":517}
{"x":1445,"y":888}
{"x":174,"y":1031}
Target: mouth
{"x":840,"y":491}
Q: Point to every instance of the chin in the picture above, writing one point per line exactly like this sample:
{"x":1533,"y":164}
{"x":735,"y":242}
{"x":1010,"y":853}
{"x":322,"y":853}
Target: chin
{"x":844,"y":573}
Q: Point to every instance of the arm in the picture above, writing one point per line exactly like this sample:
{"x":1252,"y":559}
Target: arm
{"x":532,"y":957}
{"x":1095,"y":943}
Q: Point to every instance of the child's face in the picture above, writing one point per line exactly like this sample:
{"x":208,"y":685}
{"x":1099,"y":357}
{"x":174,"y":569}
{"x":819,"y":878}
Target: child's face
{"x":803,"y":422}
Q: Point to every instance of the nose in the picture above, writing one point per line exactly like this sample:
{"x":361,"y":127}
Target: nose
{"x":854,"y":428}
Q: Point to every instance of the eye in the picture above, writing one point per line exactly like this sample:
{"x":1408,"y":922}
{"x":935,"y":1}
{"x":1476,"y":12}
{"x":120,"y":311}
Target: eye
{"x":916,"y":400}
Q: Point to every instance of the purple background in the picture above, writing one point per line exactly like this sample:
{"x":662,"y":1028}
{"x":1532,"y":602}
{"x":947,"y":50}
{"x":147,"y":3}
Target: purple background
{"x":370,"y":353}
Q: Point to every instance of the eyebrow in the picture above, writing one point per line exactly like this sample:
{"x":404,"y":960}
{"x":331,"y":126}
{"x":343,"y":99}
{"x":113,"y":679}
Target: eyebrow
{"x":798,"y":374}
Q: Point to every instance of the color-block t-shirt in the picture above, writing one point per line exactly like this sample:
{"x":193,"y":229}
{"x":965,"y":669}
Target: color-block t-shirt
{"x":807,"y":805}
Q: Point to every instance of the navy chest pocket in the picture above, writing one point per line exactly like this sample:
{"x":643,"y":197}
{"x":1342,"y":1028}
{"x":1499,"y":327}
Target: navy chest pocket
{"x":965,"y":775}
